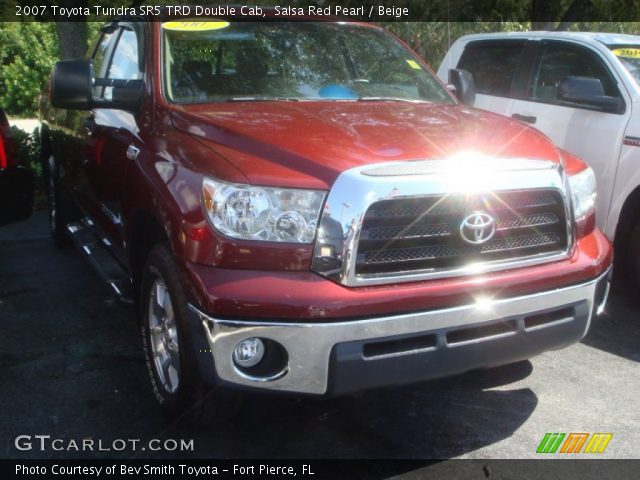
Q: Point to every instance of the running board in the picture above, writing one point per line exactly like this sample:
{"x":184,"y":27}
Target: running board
{"x":95,"y":251}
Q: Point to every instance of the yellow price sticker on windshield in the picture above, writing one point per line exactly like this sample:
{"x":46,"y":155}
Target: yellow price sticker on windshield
{"x":627,"y":52}
{"x":413,"y":64}
{"x":194,"y":26}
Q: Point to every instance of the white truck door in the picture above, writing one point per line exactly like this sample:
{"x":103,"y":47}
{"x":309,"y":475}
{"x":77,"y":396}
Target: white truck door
{"x":595,"y":136}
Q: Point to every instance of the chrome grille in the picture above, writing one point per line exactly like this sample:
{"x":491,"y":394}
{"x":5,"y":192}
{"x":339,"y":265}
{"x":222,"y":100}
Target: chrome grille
{"x":423,"y":234}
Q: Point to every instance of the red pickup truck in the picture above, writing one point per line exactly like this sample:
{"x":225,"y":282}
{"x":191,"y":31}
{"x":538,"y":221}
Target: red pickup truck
{"x":303,"y":207}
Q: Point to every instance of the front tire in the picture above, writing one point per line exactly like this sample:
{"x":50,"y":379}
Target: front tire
{"x":170,"y":355}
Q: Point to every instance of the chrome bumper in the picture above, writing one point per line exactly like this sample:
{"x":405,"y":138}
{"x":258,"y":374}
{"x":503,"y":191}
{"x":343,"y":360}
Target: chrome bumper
{"x":310,"y":346}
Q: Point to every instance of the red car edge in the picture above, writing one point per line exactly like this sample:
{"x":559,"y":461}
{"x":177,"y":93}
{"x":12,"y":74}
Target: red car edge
{"x":16,"y":182}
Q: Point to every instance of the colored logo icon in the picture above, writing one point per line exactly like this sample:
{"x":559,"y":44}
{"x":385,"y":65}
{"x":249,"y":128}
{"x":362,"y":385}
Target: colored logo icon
{"x":574,"y":442}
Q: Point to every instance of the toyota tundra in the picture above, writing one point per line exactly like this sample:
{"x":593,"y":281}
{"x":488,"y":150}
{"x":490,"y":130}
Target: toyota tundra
{"x":303,"y":207}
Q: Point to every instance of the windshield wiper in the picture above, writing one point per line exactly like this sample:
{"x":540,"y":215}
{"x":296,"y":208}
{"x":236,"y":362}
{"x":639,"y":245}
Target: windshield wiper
{"x":296,"y":99}
{"x":263,"y":99}
{"x":392,"y":99}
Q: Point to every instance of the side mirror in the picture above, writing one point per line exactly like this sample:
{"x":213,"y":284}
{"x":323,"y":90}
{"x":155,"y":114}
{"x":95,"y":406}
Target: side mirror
{"x":465,"y":87}
{"x":72,"y":85}
{"x":588,"y":92}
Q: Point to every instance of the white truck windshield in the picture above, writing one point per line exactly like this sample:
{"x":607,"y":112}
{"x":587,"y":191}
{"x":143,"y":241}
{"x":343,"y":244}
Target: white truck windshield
{"x":629,"y":56}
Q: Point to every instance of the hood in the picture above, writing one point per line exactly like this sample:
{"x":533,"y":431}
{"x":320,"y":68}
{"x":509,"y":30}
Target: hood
{"x":308,"y":144}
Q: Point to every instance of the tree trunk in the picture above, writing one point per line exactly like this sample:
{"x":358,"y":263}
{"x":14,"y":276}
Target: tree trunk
{"x":543,"y":14}
{"x":72,"y":38}
{"x":578,"y":11}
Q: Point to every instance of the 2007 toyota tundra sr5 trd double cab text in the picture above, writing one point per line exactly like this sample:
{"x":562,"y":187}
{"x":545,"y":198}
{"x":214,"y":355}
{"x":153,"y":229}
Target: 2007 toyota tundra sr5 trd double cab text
{"x":303,"y":207}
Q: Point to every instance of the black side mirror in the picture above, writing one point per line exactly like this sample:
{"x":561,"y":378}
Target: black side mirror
{"x":465,"y":86}
{"x":72,"y":85}
{"x":588,"y":92}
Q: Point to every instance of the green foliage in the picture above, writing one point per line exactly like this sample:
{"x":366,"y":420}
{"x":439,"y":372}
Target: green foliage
{"x":431,"y":40}
{"x":632,"y":28}
{"x":28,"y":151}
{"x":27,"y":53}
{"x":93,"y":32}
{"x":27,"y":148}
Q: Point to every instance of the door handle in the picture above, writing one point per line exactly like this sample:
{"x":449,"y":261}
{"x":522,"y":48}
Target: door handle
{"x":525,"y":118}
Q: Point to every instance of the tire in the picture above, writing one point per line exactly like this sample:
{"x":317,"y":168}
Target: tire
{"x":58,"y":207}
{"x":167,"y":341}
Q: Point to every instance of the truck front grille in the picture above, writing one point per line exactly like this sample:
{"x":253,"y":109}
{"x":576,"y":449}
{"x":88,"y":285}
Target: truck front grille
{"x":424,"y":234}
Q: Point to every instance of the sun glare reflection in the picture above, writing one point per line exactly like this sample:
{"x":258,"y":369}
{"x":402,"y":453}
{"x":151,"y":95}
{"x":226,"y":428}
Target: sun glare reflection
{"x":470,"y":172}
{"x":484,"y":304}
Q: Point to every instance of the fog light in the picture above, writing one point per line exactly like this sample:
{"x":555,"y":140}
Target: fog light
{"x":248,"y":352}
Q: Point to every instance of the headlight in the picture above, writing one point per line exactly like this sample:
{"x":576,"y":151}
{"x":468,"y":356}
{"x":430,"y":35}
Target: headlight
{"x":262,"y":213}
{"x":583,"y":193}
{"x":583,"y":196}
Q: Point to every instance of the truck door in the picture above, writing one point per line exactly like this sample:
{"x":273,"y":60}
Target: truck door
{"x":593,"y":135}
{"x":69,"y":135}
{"x":113,"y":138}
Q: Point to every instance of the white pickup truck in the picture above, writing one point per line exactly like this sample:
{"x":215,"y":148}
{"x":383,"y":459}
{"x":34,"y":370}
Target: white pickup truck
{"x":583,"y":91}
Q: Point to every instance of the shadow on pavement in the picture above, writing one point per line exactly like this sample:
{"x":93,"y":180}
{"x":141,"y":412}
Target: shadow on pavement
{"x":71,"y":366}
{"x":617,"y":331}
{"x":439,"y":419}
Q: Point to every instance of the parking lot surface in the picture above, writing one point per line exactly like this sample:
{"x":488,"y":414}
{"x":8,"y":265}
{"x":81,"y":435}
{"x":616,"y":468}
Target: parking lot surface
{"x":71,"y":366}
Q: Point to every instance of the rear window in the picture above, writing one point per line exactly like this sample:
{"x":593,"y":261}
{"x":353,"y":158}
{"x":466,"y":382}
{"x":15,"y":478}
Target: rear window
{"x":493,"y":65}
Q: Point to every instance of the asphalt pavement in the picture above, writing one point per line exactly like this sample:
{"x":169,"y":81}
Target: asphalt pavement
{"x":71,"y":366}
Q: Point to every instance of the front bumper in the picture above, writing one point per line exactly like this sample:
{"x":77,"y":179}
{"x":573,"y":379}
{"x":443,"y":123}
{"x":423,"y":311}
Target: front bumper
{"x":346,"y":356}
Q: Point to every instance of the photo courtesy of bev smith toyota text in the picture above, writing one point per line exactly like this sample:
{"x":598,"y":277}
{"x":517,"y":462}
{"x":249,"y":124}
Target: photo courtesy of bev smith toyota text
{"x":353,"y":239}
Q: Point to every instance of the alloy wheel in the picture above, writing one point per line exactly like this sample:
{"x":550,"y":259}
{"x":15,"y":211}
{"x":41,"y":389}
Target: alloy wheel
{"x":163,"y":335}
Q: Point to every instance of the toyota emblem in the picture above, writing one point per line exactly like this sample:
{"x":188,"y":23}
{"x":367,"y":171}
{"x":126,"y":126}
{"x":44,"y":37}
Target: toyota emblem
{"x":477,"y":228}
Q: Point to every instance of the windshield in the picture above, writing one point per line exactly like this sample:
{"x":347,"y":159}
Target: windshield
{"x":221,"y":61}
{"x":629,"y":56}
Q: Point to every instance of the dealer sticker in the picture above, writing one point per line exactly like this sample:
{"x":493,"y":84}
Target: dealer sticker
{"x":627,"y":52}
{"x":194,"y":26}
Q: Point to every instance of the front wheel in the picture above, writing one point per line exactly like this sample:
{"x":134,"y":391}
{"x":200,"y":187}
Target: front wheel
{"x":170,"y":355}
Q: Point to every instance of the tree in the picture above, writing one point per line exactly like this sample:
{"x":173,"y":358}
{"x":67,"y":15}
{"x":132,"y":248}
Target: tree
{"x":27,"y":53}
{"x":545,"y":13}
{"x":72,"y":36}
